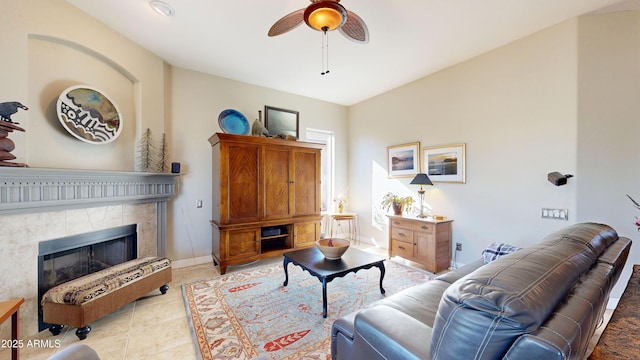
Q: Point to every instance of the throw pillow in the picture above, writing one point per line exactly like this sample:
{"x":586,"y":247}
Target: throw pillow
{"x":497,"y":250}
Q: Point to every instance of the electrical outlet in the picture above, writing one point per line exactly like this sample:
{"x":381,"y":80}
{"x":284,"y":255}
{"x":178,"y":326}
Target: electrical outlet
{"x":458,"y":246}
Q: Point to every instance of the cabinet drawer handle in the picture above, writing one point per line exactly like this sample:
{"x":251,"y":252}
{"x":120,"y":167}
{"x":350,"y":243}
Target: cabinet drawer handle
{"x":401,"y":234}
{"x":401,"y":247}
{"x":425,"y":227}
{"x":396,"y":222}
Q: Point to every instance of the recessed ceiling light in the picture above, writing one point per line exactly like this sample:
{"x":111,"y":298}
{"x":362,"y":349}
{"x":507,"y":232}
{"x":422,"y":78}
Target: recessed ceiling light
{"x":161,"y":7}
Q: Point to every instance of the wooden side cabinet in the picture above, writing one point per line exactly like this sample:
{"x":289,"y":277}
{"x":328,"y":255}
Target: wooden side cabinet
{"x":425,"y":241}
{"x":8,"y":309}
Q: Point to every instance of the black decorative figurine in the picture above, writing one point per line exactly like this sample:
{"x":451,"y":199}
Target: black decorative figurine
{"x":9,"y":108}
{"x":6,"y":126}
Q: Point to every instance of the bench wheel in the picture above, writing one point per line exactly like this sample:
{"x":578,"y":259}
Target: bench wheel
{"x":164,"y":288}
{"x":56,"y":329}
{"x":82,"y":333}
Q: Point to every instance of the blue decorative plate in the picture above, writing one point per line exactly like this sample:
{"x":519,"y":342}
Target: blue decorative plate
{"x":233,"y":122}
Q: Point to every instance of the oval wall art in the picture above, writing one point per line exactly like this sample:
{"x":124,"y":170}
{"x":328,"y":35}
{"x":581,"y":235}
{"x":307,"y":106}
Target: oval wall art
{"x":89,"y":115}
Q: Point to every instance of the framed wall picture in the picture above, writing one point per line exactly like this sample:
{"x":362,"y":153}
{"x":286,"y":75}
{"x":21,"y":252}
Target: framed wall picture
{"x":445,"y":163}
{"x":281,"y":121}
{"x":403,"y":160}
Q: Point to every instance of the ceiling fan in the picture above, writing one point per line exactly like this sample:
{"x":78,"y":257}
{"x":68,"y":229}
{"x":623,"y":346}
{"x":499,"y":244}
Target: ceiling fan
{"x":324,"y":15}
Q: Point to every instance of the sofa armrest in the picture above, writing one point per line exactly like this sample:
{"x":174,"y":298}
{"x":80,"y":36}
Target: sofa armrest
{"x":342,"y":337}
{"x":382,"y":332}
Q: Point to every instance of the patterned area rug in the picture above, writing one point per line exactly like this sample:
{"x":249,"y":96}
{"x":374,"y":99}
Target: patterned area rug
{"x":245,"y":314}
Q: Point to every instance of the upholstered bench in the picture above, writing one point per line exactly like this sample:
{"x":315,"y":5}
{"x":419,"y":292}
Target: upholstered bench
{"x":81,"y":301}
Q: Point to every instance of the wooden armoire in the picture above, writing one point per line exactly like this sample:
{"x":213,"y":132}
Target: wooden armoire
{"x":266,"y":197}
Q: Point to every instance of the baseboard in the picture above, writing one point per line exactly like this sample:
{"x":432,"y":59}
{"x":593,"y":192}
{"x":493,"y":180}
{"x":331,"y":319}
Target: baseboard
{"x":612,"y":303}
{"x":177,"y":264}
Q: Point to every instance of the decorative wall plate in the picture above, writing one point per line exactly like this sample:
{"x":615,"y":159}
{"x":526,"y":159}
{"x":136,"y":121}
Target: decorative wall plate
{"x":89,"y":115}
{"x":233,"y":122}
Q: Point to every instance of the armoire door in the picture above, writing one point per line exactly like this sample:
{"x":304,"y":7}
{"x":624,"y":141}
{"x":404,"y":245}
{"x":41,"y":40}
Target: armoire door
{"x":241,"y":197}
{"x":306,"y":184}
{"x":276,"y":182}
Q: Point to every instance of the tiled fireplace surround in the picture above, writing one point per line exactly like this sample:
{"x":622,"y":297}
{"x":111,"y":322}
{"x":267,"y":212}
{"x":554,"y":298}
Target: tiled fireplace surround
{"x":45,"y":204}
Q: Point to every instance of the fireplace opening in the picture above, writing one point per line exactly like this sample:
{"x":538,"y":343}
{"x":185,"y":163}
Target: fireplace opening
{"x":64,"y":259}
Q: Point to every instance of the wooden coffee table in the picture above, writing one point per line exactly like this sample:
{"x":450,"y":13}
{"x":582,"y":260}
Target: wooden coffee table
{"x":325,"y":270}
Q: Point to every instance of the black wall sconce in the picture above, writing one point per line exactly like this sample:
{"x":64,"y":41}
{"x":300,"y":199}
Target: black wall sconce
{"x":557,"y":178}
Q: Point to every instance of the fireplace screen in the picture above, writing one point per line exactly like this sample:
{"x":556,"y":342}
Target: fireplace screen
{"x":64,"y":259}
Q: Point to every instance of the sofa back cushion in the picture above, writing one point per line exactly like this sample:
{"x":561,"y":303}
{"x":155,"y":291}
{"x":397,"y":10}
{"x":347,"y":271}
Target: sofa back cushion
{"x":483,"y":313}
{"x":568,"y":330}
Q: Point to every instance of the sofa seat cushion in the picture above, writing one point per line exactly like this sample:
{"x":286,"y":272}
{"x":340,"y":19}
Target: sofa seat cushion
{"x":386,"y":333}
{"x":419,"y":302}
{"x":100,"y":283}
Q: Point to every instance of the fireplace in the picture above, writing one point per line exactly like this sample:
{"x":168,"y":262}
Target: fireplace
{"x":37,"y":205}
{"x":68,"y":258}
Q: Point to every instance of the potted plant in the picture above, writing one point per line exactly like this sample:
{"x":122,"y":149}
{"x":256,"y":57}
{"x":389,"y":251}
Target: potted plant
{"x":341,"y":200}
{"x":398,"y":203}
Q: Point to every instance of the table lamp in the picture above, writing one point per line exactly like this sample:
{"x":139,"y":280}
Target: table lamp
{"x":421,"y":179}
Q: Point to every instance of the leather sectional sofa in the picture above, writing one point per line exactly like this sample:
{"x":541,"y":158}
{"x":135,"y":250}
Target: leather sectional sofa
{"x":541,"y":302}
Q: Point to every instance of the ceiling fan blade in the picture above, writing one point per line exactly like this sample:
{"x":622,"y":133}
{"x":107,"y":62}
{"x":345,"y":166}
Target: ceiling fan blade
{"x":355,"y":29}
{"x":287,"y":23}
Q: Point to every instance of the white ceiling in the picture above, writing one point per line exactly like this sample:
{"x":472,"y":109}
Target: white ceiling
{"x":409,"y":38}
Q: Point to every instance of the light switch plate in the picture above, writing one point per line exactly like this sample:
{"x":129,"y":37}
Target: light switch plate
{"x":557,"y":214}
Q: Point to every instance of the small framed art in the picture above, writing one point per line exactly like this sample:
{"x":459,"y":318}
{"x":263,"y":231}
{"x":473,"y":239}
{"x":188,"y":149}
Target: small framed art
{"x":281,"y":121}
{"x":403,"y":160}
{"x":445,"y":163}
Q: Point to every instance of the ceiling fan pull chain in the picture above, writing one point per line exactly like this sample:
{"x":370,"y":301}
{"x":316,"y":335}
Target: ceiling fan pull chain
{"x":325,"y":52}
{"x":327,"y":47}
{"x":322,"y":55}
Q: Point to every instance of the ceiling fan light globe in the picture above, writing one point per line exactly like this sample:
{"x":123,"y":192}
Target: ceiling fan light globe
{"x":325,"y":15}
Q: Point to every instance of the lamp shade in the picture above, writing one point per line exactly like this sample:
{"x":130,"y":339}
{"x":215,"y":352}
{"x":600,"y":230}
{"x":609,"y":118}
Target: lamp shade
{"x":325,"y":15}
{"x":421,"y":179}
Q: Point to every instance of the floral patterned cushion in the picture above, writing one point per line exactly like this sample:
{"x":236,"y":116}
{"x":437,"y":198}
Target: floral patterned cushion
{"x":93,"y":286}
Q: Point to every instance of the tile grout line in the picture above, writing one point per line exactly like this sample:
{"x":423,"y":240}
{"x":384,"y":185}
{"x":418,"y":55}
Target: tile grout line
{"x":126,"y":344}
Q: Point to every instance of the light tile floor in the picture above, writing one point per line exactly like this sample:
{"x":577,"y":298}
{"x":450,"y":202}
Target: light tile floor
{"x":153,"y":327}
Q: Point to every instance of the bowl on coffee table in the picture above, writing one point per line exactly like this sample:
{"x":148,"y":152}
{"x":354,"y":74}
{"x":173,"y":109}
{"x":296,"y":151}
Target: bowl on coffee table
{"x":332,"y":248}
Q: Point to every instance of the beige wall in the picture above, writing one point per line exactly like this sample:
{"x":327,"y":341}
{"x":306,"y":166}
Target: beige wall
{"x":514,"y":107}
{"x":13,"y":69}
{"x":53,"y":67}
{"x":609,"y":114}
{"x":54,"y":45}
{"x":78,"y":49}
{"x":563,"y":99}
{"x":196,"y":100}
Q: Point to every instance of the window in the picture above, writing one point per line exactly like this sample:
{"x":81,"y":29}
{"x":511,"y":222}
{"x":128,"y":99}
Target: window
{"x":327,"y":166}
